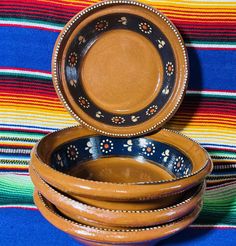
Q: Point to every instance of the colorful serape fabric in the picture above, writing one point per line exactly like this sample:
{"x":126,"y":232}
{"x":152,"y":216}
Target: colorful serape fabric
{"x":29,"y":107}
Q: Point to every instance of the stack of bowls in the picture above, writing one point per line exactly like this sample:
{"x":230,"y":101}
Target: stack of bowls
{"x":121,"y":69}
{"x":104,"y":190}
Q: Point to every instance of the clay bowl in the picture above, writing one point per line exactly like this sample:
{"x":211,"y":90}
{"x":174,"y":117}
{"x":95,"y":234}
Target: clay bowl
{"x":106,"y":218}
{"x":90,"y":235}
{"x":81,"y":163}
{"x":149,"y":68}
{"x":135,"y":205}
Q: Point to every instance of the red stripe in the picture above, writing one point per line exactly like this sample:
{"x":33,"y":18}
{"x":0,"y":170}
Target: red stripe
{"x":222,"y":149}
{"x":36,"y":10}
{"x":10,"y":207}
{"x":210,"y":33}
{"x":56,"y":6}
{"x":16,"y":11}
{"x":28,"y":90}
{"x":12,"y":168}
{"x":206,"y":22}
{"x":14,"y":145}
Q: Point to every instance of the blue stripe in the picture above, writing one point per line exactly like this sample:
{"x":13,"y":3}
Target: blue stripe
{"x":16,"y":224}
{"x":32,"y":49}
{"x":212,"y":69}
{"x":26,"y":48}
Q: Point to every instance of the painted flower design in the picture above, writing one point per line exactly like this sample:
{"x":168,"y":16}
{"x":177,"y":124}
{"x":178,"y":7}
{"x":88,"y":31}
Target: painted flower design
{"x":118,"y":120}
{"x":161,"y":43}
{"x":149,"y":149}
{"x":169,"y":68}
{"x":72,"y":59}
{"x":151,"y":110}
{"x":73,"y":82}
{"x":144,"y":27}
{"x":186,"y":171}
{"x":106,"y":146}
{"x":128,"y":145}
{"x":89,"y":147}
{"x":123,"y":20}
{"x":83,"y":102}
{"x":72,"y":152}
{"x":178,"y":164}
{"x":101,"y":25}
{"x":59,"y":160}
{"x":99,"y":114}
{"x":135,"y":118}
{"x":165,"y":155}
{"x":81,"y":39}
{"x":166,"y":90}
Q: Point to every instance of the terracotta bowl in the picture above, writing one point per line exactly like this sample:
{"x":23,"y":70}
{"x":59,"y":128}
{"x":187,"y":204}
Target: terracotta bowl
{"x":135,"y":205}
{"x":79,"y":162}
{"x":89,"y":235}
{"x":124,"y":205}
{"x":134,"y":46}
{"x":84,"y":213}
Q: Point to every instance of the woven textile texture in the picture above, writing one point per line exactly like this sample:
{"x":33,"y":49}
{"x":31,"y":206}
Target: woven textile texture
{"x":29,"y":107}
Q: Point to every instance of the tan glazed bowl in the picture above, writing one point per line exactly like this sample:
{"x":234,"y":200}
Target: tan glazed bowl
{"x":81,"y":163}
{"x":90,"y":235}
{"x":106,"y":218}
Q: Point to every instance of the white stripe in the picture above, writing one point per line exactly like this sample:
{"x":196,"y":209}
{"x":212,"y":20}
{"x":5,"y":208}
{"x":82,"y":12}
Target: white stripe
{"x":31,"y":24}
{"x":19,"y":71}
{"x":18,"y":206}
{"x":205,"y":92}
{"x":221,"y":46}
{"x":25,"y":158}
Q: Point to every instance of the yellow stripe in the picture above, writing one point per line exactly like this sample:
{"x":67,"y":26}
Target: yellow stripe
{"x":13,"y":110}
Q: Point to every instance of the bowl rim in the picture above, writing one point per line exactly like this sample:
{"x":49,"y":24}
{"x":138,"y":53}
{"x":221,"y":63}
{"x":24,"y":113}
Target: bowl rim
{"x":177,"y":210}
{"x":55,"y":70}
{"x":120,"y":190}
{"x":107,"y":235}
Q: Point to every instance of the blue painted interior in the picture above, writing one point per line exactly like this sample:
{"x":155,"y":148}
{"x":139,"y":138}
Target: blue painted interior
{"x":84,"y":149}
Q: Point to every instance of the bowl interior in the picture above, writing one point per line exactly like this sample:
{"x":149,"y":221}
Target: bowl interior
{"x":120,"y":160}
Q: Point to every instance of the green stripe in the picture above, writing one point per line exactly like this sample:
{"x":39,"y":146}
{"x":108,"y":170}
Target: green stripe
{"x":15,"y":189}
{"x":210,"y":42}
{"x":24,"y":74}
{"x":221,"y":153}
{"x":20,"y":134}
{"x":13,"y":162}
{"x":209,"y":95}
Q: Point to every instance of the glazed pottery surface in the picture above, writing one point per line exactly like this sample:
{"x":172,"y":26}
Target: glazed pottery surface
{"x":134,"y":46}
{"x":83,"y":233}
{"x":165,"y":150}
{"x":80,"y":212}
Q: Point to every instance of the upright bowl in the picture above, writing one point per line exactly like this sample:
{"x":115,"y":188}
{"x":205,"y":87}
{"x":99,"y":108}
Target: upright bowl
{"x":79,"y":162}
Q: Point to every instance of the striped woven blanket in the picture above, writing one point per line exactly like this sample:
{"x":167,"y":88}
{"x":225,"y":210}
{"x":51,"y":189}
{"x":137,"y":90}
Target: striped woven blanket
{"x":29,"y":107}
